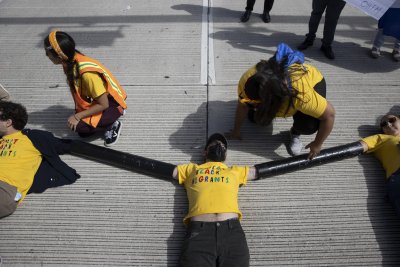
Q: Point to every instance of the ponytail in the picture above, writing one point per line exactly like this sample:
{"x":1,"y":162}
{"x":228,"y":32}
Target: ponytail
{"x":63,"y":46}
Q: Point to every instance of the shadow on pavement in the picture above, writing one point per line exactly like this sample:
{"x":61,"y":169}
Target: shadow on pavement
{"x":221,"y":110}
{"x":350,"y":56}
{"x":54,"y":120}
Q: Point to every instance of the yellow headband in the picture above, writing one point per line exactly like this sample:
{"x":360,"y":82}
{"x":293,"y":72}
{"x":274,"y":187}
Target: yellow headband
{"x":55,"y":46}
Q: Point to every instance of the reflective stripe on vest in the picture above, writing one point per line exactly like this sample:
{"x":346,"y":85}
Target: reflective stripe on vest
{"x":90,"y":66}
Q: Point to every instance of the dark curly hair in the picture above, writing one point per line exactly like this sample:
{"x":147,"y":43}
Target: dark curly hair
{"x":269,"y":85}
{"x":14,"y":112}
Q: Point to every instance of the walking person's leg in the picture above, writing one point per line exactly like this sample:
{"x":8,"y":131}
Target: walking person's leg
{"x":250,"y":4}
{"x":318,"y":8}
{"x":332,"y":14}
{"x":378,"y":42}
{"x":249,"y":8}
{"x":267,"y":8}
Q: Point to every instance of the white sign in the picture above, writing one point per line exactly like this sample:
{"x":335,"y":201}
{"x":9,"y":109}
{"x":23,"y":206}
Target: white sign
{"x":373,"y":8}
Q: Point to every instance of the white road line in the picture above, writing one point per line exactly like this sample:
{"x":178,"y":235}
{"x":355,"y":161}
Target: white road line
{"x":211,"y":68}
{"x":207,"y":52}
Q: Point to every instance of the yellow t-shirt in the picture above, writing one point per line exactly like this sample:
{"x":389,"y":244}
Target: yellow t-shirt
{"x":241,"y":85}
{"x":92,"y":86}
{"x":212,"y":187}
{"x":386,"y":149}
{"x":19,"y":161}
{"x":307,"y":101}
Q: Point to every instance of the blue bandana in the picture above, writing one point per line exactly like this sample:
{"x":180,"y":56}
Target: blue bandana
{"x":283,"y":50}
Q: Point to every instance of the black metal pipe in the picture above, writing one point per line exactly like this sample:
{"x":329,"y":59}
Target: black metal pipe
{"x":157,"y":169}
{"x":301,"y":162}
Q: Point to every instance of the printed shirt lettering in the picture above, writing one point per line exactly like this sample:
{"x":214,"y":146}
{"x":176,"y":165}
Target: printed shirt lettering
{"x":19,"y":161}
{"x":212,"y":187}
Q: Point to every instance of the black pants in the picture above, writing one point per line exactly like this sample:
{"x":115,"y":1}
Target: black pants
{"x":109,"y":116}
{"x":305,"y":124}
{"x":333,"y":10}
{"x":211,"y":244}
{"x":267,"y":5}
{"x":393,"y":186}
{"x":302,"y":123}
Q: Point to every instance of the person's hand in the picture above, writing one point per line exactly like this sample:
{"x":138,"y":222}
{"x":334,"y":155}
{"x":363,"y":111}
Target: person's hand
{"x":314,"y":149}
{"x":233,"y":135}
{"x":73,"y":122}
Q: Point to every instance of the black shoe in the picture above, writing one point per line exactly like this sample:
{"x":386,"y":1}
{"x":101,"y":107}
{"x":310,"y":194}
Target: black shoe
{"x":307,"y":43}
{"x":328,"y":52}
{"x":246,"y":16}
{"x":266,"y":17}
{"x":112,"y":135}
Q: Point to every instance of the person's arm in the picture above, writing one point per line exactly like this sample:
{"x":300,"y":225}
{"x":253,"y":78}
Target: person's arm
{"x":252,"y":175}
{"x":101,"y":103}
{"x":241,"y":113}
{"x":327,"y":120}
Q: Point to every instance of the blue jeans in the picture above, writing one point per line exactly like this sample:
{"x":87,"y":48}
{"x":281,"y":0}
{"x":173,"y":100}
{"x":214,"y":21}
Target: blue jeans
{"x":212,"y":244}
{"x":380,"y":39}
{"x":393,"y":186}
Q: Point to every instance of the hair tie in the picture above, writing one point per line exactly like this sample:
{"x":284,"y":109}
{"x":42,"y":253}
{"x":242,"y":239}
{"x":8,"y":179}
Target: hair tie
{"x":55,"y":46}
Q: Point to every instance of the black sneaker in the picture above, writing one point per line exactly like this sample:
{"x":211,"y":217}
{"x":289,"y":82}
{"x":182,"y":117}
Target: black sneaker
{"x":246,"y":16}
{"x":328,"y":52}
{"x":111,"y":136}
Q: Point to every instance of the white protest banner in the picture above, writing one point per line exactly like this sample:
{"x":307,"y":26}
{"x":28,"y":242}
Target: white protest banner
{"x":373,"y":8}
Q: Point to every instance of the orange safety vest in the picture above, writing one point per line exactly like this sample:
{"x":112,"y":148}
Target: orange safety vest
{"x":87,"y":64}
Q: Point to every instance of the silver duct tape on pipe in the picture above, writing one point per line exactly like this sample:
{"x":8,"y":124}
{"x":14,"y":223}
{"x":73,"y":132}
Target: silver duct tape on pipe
{"x":155,"y":168}
{"x":301,"y":162}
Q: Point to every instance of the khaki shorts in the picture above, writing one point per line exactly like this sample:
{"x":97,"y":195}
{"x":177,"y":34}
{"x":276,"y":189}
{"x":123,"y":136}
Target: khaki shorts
{"x":7,"y":199}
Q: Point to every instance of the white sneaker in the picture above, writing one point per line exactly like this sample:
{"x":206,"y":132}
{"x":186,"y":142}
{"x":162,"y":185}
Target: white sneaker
{"x":396,"y":54}
{"x":375,"y":52}
{"x":295,"y":145}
